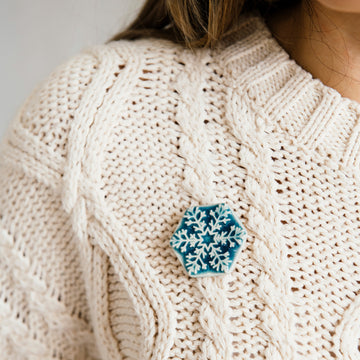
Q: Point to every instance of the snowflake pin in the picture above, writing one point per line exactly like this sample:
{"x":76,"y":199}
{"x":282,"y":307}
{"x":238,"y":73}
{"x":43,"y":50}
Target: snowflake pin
{"x":208,"y":240}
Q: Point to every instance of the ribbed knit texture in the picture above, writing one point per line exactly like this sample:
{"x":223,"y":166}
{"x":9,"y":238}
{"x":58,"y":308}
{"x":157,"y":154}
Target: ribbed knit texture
{"x":106,"y":154}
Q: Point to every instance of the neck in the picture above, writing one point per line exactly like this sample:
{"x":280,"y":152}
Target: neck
{"x":324,"y":42}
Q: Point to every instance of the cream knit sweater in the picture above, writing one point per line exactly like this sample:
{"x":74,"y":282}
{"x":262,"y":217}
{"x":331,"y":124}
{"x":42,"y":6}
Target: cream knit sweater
{"x":104,"y":157}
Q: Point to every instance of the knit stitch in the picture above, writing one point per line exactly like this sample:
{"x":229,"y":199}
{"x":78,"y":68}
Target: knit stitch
{"x":104,"y":157}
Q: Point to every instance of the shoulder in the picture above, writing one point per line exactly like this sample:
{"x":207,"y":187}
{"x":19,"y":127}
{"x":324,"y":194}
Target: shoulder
{"x":73,"y":91}
{"x":51,"y":103}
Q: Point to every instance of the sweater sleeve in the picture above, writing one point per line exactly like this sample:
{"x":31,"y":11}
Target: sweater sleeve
{"x":44,"y":312}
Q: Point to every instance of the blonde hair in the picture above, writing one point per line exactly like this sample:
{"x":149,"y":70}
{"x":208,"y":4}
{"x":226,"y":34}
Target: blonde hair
{"x":193,"y":23}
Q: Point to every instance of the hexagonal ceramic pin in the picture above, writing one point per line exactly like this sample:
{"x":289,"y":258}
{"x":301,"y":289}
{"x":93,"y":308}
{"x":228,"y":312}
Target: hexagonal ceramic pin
{"x":208,"y":240}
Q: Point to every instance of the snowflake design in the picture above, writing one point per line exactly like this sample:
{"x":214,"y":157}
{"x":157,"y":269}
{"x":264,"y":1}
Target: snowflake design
{"x":208,"y":239}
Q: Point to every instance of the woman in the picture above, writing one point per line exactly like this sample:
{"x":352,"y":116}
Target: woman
{"x":251,"y":107}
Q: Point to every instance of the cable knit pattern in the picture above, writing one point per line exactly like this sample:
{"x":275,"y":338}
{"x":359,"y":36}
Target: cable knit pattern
{"x":104,"y":157}
{"x":270,"y":253}
{"x":199,"y":182}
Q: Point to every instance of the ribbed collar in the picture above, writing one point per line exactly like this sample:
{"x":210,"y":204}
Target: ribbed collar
{"x":293,"y":103}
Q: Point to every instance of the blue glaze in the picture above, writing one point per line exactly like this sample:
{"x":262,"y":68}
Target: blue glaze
{"x":208,"y":240}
